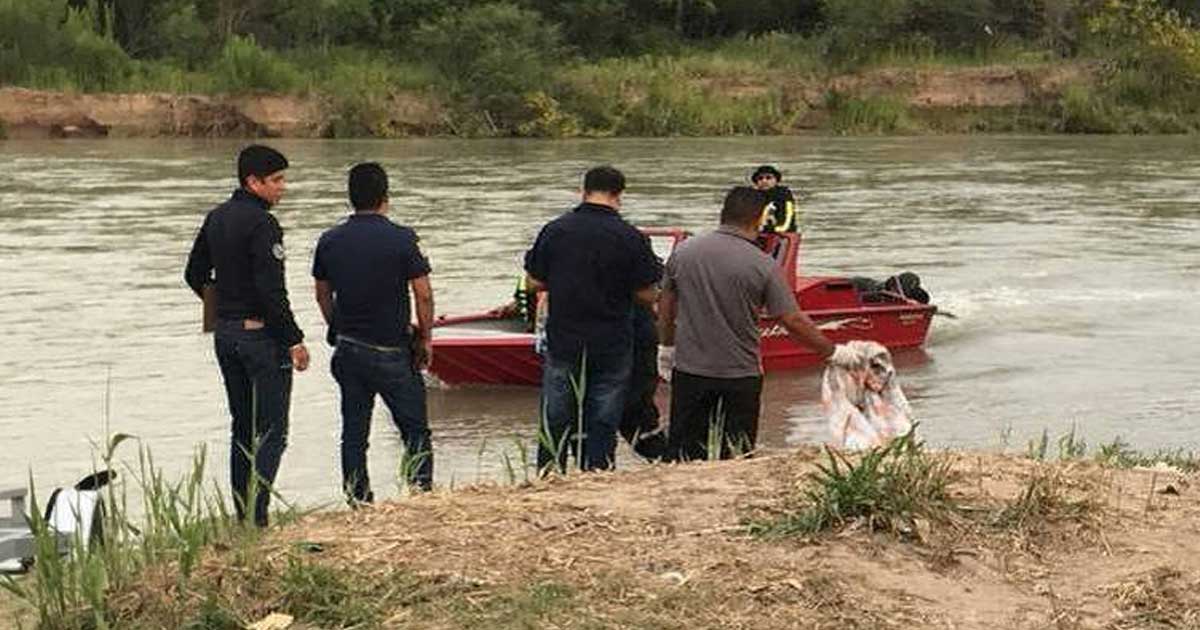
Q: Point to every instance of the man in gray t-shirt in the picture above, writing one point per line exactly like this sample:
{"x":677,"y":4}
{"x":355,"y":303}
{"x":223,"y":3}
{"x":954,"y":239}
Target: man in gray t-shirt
{"x":714,"y":289}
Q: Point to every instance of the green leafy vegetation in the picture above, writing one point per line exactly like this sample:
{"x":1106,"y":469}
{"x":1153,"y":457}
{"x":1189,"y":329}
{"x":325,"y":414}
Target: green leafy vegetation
{"x":547,"y":68}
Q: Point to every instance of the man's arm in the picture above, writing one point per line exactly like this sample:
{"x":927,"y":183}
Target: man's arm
{"x":266,"y":259}
{"x":423,"y":297}
{"x":199,"y":264}
{"x":534,"y":284}
{"x":647,"y":295}
{"x":804,"y":332}
{"x":324,"y":294}
{"x":666,"y":317}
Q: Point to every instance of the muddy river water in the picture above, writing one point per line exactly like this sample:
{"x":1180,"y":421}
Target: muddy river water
{"x":1073,"y":265}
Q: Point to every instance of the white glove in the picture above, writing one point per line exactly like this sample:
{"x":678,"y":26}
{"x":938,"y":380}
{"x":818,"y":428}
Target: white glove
{"x":666,"y":362}
{"x":843,"y":357}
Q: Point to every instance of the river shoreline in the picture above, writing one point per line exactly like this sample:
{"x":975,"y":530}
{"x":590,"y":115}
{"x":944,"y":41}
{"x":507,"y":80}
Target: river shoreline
{"x":997,"y":98}
{"x":1030,"y":543}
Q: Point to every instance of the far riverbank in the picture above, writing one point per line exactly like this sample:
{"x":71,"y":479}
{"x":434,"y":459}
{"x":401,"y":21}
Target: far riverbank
{"x":937,"y":100}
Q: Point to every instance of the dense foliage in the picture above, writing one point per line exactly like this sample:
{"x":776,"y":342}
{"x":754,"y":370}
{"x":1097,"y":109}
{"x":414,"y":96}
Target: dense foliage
{"x":560,"y":67}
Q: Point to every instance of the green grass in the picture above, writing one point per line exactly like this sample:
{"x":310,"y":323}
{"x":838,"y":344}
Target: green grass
{"x":537,"y":605}
{"x":329,"y":598}
{"x":1118,"y":453}
{"x":176,"y":521}
{"x":886,"y":488}
{"x":853,"y":115}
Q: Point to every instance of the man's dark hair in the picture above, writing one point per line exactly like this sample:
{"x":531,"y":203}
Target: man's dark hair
{"x":766,"y":169}
{"x":604,"y":179}
{"x":368,"y":186}
{"x":260,"y":161}
{"x":743,"y":206}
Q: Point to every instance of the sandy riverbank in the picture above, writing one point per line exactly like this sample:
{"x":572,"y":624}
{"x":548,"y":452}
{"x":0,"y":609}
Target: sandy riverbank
{"x":1031,"y":545}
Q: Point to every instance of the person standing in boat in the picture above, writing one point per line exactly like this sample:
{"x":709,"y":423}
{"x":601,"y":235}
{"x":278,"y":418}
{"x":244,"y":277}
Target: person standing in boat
{"x":363,"y":269}
{"x":594,"y":266}
{"x":780,"y":214}
{"x":715,"y":286}
{"x":256,"y":337}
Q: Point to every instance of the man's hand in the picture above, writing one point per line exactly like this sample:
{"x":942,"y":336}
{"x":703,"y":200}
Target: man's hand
{"x":422,"y":349}
{"x":666,"y":362}
{"x":299,"y":357}
{"x":506,"y":310}
{"x":426,"y":353}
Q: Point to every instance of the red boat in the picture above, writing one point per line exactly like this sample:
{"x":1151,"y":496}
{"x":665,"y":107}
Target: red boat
{"x":494,"y":349}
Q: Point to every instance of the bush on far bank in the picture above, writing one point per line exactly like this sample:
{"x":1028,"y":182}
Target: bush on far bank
{"x":679,"y":67}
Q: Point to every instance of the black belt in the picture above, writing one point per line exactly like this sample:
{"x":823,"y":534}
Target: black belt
{"x":370,"y":346}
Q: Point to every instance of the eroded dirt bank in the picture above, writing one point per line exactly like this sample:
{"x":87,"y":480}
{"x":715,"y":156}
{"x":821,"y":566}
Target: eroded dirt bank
{"x":942,"y":93}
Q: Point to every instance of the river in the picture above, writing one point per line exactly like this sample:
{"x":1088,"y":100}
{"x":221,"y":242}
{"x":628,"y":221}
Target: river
{"x":1071,"y":263}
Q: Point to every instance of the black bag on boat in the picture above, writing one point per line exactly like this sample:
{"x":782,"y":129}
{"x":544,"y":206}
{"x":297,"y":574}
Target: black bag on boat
{"x":907,"y":284}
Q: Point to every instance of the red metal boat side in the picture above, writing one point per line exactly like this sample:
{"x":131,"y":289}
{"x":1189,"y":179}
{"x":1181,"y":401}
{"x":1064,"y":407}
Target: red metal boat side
{"x":463,"y":353}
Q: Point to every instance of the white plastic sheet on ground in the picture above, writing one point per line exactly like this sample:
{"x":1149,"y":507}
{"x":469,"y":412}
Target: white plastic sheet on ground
{"x":861,"y":397}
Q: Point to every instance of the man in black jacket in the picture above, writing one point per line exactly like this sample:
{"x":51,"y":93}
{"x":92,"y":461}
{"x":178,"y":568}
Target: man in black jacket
{"x":256,"y":338}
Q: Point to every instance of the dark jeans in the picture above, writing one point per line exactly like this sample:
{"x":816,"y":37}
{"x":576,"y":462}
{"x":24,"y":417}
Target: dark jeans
{"x":258,"y":381}
{"x":361,"y":373}
{"x":592,"y":441}
{"x":705,"y":410}
{"x":639,"y":420}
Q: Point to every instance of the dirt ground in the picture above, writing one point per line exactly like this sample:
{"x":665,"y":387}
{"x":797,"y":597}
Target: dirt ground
{"x":28,"y":113}
{"x":668,"y":547}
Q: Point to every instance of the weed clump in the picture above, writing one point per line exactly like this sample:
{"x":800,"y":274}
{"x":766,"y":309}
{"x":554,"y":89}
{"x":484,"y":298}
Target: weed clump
{"x":1044,"y":499}
{"x":887,"y":488}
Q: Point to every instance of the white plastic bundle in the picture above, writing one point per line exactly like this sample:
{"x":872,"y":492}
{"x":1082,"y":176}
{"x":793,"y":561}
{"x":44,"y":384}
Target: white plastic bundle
{"x":861,"y":397}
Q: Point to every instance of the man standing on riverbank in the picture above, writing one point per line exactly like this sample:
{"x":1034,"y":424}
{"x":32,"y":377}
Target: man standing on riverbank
{"x":715,"y":287}
{"x":363,"y":269}
{"x":256,"y":337}
{"x":594,"y":266}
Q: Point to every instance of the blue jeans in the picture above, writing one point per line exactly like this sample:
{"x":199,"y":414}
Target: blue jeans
{"x":257,"y":370}
{"x":362,"y":372}
{"x":592,"y":441}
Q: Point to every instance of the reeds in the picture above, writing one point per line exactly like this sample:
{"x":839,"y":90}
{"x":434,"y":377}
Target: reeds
{"x":176,"y":520}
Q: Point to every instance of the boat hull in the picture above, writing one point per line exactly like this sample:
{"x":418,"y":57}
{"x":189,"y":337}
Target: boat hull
{"x":500,"y":358}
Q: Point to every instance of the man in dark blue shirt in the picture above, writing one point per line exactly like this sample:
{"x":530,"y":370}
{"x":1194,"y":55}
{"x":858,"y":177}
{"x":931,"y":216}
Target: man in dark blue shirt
{"x":239,"y":249}
{"x":594,"y":266}
{"x":363,"y":270}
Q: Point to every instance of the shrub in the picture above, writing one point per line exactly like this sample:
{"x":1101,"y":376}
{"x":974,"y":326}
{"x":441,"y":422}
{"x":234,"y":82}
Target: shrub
{"x":245,"y":66}
{"x":1156,"y":54}
{"x":493,"y":56}
{"x":49,"y":44}
{"x":179,"y":33}
{"x":1084,"y":112}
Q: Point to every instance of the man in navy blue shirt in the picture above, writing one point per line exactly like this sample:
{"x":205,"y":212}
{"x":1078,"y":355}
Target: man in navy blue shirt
{"x":594,"y":266}
{"x":363,"y":269}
